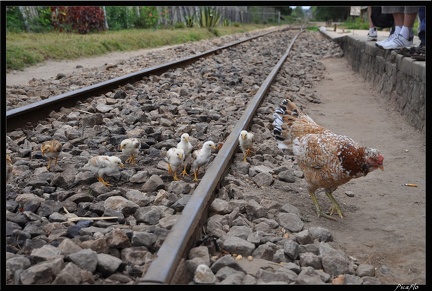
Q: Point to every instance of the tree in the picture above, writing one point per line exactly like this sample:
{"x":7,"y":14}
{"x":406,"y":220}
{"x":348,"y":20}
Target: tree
{"x":286,"y":10}
{"x":325,"y":13}
{"x":298,"y":12}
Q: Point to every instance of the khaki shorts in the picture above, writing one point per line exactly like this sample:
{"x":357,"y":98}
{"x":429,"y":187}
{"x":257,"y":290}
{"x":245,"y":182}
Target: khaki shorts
{"x":399,"y":9}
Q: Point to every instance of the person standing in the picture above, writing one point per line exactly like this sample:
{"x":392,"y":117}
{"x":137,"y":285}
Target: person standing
{"x":404,"y":18}
{"x":422,"y":26}
{"x":372,"y":33}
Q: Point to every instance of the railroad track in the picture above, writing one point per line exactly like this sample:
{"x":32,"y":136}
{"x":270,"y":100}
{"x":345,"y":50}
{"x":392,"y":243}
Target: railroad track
{"x":169,"y":260}
{"x":36,"y":111}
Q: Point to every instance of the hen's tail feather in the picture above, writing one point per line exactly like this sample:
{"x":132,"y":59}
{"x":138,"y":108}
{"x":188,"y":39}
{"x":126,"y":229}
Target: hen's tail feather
{"x":284,"y":117}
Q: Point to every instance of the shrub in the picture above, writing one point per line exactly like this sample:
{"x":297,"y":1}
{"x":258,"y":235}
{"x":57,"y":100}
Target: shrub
{"x":117,"y":17}
{"x":149,"y":16}
{"x":190,"y":22}
{"x":81,"y":19}
{"x":179,"y":25}
{"x":14,"y":19}
{"x":43,"y":22}
{"x":209,"y":17}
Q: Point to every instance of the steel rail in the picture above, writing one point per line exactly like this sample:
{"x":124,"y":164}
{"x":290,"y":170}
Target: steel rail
{"x":32,"y":113}
{"x":169,"y":265}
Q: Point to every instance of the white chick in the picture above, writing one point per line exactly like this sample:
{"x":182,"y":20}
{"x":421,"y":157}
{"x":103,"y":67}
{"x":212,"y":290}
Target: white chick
{"x":51,"y":149}
{"x":187,"y":147}
{"x":130,"y":147}
{"x":174,"y":158}
{"x":201,"y":157}
{"x":101,"y":165}
{"x":246,"y":140}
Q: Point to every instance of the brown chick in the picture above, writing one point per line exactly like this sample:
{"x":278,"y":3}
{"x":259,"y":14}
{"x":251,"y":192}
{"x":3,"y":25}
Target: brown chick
{"x":51,"y":149}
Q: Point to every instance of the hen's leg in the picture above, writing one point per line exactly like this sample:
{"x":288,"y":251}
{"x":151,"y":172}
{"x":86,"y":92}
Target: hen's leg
{"x":49,"y":164}
{"x":335,"y":205}
{"x":196,"y":174}
{"x":245,"y":154}
{"x":170,"y":171}
{"x":131,"y":160}
{"x":184,"y":172}
{"x":318,"y":209}
{"x":100,"y":179}
{"x":175,"y":176}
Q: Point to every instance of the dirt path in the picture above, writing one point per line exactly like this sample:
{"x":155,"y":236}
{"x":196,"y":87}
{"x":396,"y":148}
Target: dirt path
{"x":49,"y":69}
{"x":385,"y":223}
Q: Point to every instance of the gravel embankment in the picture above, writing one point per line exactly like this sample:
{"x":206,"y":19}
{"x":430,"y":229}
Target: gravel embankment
{"x":253,"y":235}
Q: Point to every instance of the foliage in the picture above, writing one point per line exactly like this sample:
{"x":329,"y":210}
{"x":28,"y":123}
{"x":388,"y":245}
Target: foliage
{"x":325,"y":13}
{"x":25,"y":49}
{"x":81,"y":19}
{"x":214,"y":31}
{"x":43,"y":22}
{"x":148,"y":17}
{"x":356,"y":23}
{"x":226,"y":22}
{"x":312,"y":28}
{"x":118,"y":17}
{"x":254,"y":11}
{"x":209,"y":17}
{"x":286,"y":10}
{"x":298,"y":12}
{"x":190,"y":21}
{"x":14,"y":19}
{"x":179,"y":25}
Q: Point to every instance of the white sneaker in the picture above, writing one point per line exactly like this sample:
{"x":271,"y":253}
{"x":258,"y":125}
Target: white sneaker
{"x":397,"y":42}
{"x":381,"y":42}
{"x":372,"y":34}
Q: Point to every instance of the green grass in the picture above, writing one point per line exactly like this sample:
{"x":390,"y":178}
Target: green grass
{"x":27,"y":49}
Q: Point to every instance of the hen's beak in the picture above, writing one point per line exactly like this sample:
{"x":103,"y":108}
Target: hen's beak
{"x":381,"y":167}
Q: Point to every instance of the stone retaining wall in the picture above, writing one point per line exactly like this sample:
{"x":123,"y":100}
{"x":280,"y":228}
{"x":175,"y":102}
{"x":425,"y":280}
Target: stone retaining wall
{"x":399,"y":79}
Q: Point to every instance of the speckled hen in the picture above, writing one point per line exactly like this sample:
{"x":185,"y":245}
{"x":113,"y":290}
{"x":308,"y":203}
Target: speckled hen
{"x":327,"y":159}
